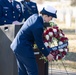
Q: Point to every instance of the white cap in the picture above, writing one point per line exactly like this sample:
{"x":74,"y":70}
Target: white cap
{"x":49,"y":10}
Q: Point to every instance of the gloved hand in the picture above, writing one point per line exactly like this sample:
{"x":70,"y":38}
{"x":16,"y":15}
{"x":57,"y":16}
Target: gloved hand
{"x":50,"y":57}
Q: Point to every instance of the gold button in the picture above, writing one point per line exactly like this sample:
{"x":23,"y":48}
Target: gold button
{"x":43,"y":48}
{"x":5,"y":21}
{"x":13,"y":16}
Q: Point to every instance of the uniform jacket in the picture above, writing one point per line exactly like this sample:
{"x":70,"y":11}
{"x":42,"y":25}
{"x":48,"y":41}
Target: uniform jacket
{"x":9,"y":13}
{"x":29,"y":33}
{"x":31,"y":9}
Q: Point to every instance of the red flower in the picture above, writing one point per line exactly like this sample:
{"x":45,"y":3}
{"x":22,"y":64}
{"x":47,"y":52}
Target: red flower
{"x":63,"y":53}
{"x":50,"y":29}
{"x":63,"y":39}
{"x":55,"y":27}
{"x":62,"y":32}
{"x":58,"y":57}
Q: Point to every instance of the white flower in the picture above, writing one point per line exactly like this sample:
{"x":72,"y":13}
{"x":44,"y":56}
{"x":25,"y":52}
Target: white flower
{"x":55,"y":30}
{"x":50,"y":34}
{"x":61,"y":35}
{"x":57,"y":57}
{"x":47,"y":37}
{"x":66,"y":50}
{"x":46,"y":44}
{"x":60,"y":42}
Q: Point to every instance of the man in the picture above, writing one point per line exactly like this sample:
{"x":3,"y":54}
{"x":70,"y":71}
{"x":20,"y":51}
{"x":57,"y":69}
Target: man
{"x":10,"y":12}
{"x":29,"y":8}
{"x":31,"y":32}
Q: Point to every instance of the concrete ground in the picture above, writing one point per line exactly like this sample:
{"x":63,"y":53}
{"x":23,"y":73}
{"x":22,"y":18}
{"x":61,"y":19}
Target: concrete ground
{"x":60,"y":72}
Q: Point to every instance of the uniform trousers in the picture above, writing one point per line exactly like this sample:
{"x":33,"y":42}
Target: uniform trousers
{"x":27,"y":65}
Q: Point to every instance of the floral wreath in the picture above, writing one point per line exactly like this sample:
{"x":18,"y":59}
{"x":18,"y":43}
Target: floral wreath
{"x":56,"y":42}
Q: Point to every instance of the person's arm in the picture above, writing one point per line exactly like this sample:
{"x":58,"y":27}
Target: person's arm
{"x":37,"y":32}
{"x":39,"y":41}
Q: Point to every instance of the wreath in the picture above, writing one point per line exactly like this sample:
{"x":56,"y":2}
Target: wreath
{"x":56,"y":42}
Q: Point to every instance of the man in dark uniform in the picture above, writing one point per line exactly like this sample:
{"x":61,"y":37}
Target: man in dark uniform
{"x":31,"y":32}
{"x":29,"y":8}
{"x":10,"y":12}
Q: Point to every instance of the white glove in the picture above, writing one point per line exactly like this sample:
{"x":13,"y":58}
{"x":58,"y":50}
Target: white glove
{"x":50,"y":57}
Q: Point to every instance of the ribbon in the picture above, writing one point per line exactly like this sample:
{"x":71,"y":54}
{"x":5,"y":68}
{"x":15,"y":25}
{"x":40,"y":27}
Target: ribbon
{"x":59,"y":47}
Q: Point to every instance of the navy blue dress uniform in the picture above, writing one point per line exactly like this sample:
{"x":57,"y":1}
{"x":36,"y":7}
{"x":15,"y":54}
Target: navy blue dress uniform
{"x":10,"y":12}
{"x":29,"y":8}
{"x":22,"y":45}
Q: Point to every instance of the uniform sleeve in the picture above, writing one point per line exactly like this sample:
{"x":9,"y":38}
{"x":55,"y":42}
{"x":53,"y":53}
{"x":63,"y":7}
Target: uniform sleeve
{"x":39,"y":40}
